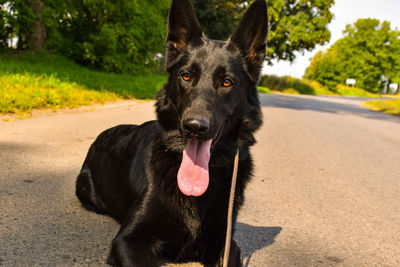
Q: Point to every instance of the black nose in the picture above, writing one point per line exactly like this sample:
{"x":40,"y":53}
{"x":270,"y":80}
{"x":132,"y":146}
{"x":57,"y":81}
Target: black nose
{"x":195,"y":126}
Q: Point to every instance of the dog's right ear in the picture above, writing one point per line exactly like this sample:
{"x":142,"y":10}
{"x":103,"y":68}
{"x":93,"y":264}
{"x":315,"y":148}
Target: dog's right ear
{"x":183,"y":28}
{"x":250,"y":37}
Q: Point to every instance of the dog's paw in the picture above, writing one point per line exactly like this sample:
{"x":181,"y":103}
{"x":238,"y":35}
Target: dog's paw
{"x":111,"y":260}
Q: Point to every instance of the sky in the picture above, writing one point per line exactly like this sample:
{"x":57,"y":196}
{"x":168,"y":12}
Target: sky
{"x":345,"y":12}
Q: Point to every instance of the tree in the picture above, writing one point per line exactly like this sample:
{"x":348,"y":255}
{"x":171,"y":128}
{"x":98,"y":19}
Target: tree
{"x":22,"y":20}
{"x":37,"y":34}
{"x":116,"y":36}
{"x":16,"y":22}
{"x":113,"y":35}
{"x":295,"y":25}
{"x":368,"y":50}
{"x":5,"y":24}
{"x":218,"y":17}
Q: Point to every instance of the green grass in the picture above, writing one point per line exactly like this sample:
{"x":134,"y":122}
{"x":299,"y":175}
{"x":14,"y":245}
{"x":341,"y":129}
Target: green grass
{"x":52,"y":81}
{"x":315,"y":88}
{"x":354,"y":91}
{"x":20,"y":93}
{"x":263,"y":89}
{"x":291,"y":85}
{"x":391,"y":107}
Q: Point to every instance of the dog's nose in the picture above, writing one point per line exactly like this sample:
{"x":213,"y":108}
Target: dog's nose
{"x":196,"y":126}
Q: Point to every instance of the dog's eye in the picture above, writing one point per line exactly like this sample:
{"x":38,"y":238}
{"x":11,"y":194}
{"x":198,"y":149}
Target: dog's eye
{"x":227,"y":83}
{"x":186,"y":77}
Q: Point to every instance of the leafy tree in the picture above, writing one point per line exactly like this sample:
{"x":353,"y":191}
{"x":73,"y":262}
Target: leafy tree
{"x":6,"y":22}
{"x":219,"y":17}
{"x":295,"y":25}
{"x":368,"y":50}
{"x":18,"y":19}
{"x":117,"y":36}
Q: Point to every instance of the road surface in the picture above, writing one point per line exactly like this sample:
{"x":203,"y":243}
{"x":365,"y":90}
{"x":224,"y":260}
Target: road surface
{"x":326,"y":190}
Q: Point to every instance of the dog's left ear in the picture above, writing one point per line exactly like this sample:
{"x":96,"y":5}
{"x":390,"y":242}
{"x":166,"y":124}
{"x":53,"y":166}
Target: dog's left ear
{"x":250,"y":37}
{"x":183,"y":28}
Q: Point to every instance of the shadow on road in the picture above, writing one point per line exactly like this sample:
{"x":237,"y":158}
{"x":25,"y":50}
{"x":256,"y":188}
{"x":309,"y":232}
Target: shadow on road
{"x":252,"y":238}
{"x":330,"y":104}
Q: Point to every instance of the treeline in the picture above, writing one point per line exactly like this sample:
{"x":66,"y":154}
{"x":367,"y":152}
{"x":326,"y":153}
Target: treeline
{"x":369,"y":52}
{"x":128,"y":35}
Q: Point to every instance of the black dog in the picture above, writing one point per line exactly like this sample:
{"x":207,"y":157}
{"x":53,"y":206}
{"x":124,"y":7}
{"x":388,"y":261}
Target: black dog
{"x":167,"y":181}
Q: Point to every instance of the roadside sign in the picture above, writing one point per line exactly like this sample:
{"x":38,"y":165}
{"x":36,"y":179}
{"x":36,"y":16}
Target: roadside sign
{"x":351,"y":82}
{"x":393,"y":88}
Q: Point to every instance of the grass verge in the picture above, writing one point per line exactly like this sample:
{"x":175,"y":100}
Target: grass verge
{"x":291,"y":85}
{"x":344,"y":90}
{"x":263,"y":89}
{"x":20,"y":93}
{"x":391,"y":107}
{"x":52,"y":81}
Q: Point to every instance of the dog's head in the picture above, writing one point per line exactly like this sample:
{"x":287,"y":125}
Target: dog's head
{"x":211,"y":93}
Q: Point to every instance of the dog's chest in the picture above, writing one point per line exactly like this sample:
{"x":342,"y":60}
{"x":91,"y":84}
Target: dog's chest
{"x":189,"y":215}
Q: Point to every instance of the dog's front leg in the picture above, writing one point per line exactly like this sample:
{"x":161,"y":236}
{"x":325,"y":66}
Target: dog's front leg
{"x":235,"y":257}
{"x":133,"y":251}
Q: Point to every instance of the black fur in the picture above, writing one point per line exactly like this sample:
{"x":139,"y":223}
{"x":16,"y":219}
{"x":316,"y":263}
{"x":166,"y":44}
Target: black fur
{"x":130,"y":172}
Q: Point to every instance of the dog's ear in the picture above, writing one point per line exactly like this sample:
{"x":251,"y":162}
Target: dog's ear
{"x":250,"y":37}
{"x":183,"y":28}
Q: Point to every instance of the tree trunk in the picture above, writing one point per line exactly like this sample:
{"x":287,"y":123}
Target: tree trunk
{"x":37,"y":37}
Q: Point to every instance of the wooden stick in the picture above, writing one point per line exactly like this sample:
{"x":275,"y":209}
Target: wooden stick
{"x":230,"y":210}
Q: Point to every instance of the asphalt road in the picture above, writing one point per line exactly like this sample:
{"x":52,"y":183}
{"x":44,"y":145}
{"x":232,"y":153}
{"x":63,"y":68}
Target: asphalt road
{"x":326,"y":190}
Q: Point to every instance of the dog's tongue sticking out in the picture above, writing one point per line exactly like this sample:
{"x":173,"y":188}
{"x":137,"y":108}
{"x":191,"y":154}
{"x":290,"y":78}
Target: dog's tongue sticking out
{"x":193,"y":174}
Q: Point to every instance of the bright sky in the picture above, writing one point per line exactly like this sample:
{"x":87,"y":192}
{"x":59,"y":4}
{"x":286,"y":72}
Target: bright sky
{"x":345,"y":12}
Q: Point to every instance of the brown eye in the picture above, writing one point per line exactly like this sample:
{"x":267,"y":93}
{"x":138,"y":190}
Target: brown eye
{"x":227,"y":83}
{"x":186,"y":77}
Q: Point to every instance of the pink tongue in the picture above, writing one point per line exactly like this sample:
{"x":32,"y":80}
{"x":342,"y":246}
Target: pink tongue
{"x":193,"y":174}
